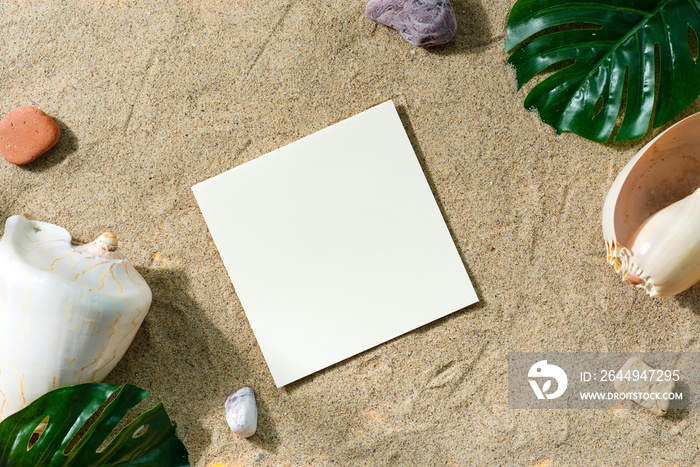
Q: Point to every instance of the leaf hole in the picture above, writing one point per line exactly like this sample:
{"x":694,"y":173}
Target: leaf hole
{"x":132,"y":415}
{"x":693,"y":43}
{"x":552,"y":69}
{"x":598,"y":107}
{"x":558,"y":28}
{"x":89,"y":422}
{"x":657,"y":84}
{"x":623,"y":106}
{"x":555,"y":67}
{"x":140,"y":431}
{"x":38,"y":431}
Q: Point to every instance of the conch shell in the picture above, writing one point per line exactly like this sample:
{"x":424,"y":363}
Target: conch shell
{"x":67,"y":313}
{"x":651,"y":216}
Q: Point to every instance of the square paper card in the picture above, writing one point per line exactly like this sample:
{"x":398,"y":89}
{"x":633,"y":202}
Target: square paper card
{"x":334,"y":244}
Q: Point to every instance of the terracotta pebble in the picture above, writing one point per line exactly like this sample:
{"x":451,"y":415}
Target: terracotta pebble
{"x":26,"y":133}
{"x":422,"y":23}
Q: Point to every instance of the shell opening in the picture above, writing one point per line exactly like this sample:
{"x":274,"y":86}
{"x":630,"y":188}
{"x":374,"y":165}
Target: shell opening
{"x":654,"y":194}
{"x":631,"y":272}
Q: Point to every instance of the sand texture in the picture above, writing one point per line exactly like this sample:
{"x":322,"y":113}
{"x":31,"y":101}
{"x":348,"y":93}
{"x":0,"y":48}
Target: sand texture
{"x":154,"y":96}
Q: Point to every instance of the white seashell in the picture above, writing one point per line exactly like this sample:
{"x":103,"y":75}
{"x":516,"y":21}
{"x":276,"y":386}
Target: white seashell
{"x":668,"y":243}
{"x":242,"y":412}
{"x":67,"y":313}
{"x":651,"y":216}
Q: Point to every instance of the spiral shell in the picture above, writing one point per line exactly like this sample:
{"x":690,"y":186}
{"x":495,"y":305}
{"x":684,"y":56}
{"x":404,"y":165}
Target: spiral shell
{"x":651,"y":216}
{"x":67,"y":313}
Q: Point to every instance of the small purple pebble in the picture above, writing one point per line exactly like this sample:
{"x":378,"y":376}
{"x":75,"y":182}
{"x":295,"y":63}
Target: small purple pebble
{"x":422,"y":23}
{"x":242,"y":412}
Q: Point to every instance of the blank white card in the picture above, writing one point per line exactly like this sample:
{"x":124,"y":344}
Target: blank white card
{"x":334,"y":244}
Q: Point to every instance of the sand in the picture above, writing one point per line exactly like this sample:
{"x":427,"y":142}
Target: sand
{"x":154,"y":96}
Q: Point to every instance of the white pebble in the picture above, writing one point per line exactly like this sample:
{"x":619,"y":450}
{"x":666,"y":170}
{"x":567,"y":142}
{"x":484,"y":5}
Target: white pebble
{"x":242,"y":412}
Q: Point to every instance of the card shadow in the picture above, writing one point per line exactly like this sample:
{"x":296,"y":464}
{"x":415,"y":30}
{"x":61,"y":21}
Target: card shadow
{"x":403,"y":115}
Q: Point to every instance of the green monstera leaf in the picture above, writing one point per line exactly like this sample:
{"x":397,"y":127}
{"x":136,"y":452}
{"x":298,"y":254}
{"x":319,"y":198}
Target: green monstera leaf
{"x":44,"y":432}
{"x":602,"y":49}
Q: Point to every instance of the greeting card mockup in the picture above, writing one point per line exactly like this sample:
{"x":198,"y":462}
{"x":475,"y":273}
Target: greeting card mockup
{"x":334,"y":244}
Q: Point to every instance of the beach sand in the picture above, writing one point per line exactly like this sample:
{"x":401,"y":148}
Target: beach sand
{"x":154,"y":96}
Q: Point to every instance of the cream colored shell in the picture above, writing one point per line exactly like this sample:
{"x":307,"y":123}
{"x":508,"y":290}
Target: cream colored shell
{"x":651,"y":216}
{"x":67,"y":313}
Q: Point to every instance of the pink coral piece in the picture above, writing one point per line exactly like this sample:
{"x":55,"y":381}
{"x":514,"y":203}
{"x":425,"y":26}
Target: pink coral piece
{"x":422,"y":23}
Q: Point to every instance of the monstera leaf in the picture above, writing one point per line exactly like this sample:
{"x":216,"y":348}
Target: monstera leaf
{"x":602,"y":49}
{"x":44,"y":432}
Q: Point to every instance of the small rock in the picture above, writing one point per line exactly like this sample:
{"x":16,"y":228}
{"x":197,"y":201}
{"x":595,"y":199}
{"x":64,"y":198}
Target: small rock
{"x":25,"y":134}
{"x":422,"y":23}
{"x":645,"y":386}
{"x":242,"y":412}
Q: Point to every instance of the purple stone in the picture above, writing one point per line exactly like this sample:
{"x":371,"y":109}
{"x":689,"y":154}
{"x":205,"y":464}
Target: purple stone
{"x":422,"y":23}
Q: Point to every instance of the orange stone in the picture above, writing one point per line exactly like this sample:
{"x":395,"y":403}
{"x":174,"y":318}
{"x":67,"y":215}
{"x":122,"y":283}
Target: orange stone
{"x":25,"y":134}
